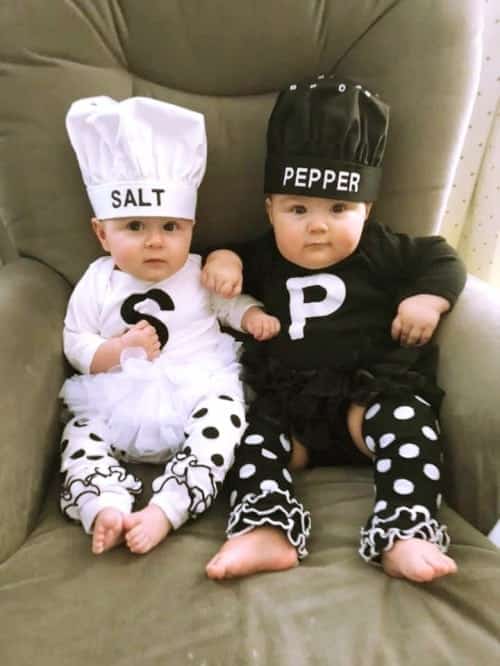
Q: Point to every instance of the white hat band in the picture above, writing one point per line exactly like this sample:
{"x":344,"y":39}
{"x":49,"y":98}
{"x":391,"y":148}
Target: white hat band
{"x":143,"y":199}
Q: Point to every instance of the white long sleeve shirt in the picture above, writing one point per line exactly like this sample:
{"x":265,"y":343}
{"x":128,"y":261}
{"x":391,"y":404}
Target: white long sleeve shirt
{"x":107,"y":301}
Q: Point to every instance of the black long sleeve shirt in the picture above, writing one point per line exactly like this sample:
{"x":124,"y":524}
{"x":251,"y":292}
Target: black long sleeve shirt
{"x":340,"y":317}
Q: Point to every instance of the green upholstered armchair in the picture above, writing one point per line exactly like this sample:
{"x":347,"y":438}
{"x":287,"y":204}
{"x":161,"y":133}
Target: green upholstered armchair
{"x":59,"y":604}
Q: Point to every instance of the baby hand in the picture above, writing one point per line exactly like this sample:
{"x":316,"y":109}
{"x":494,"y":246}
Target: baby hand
{"x":142,"y":335}
{"x":222,"y":273}
{"x":259,"y":324}
{"x":417,"y":319}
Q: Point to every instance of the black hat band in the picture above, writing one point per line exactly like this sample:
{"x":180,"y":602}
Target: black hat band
{"x":321,"y":177}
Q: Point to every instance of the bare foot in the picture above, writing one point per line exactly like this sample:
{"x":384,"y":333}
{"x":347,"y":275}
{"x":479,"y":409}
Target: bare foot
{"x":145,"y":529}
{"x":108,"y":530}
{"x":417,"y":560}
{"x":262,"y":549}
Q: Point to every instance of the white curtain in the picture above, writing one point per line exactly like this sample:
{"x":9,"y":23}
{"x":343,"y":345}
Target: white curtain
{"x":471,"y":220}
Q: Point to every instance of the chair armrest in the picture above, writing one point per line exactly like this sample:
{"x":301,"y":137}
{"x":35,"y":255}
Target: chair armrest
{"x":32,"y":305}
{"x":469,"y":340}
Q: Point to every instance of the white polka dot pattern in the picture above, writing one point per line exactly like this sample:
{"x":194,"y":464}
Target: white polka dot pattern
{"x":386,"y":439}
{"x":384,"y":465}
{"x":268,"y":485}
{"x":404,"y":413}
{"x":287,"y":475}
{"x":268,"y":454}
{"x":429,"y":433}
{"x":370,"y":443}
{"x":254,"y":439}
{"x":372,"y":411}
{"x":247,"y":471}
{"x":431,"y":471}
{"x":403,"y":487}
{"x":380,"y":506}
{"x":409,"y":451}
{"x":285,"y":442}
{"x":420,"y":399}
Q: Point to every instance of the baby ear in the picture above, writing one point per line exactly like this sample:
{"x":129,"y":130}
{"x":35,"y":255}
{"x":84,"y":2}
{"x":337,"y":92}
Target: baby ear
{"x":100,"y":232}
{"x":267,"y":202}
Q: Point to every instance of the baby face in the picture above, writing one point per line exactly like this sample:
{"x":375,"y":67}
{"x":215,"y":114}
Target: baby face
{"x":149,"y":248}
{"x":314,"y":233}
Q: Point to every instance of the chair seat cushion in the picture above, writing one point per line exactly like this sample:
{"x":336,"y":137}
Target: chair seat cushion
{"x":123,"y":609}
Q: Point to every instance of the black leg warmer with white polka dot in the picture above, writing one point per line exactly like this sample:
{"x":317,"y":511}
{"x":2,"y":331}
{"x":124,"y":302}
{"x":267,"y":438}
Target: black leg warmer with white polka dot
{"x":403,"y":434}
{"x":261,"y":489}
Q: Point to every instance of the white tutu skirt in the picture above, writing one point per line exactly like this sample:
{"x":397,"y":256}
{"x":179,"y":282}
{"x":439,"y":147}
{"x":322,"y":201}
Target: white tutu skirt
{"x":146,"y":404}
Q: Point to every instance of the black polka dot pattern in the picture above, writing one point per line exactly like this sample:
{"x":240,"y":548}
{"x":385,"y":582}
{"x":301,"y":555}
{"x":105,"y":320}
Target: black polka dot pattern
{"x":199,"y":468}
{"x":77,"y":454}
{"x":200,"y":413}
{"x":210,"y":432}
{"x":235,"y":420}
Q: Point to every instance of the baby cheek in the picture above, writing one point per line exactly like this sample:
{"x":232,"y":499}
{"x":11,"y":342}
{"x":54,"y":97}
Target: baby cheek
{"x":288,"y":245}
{"x":349,"y":237}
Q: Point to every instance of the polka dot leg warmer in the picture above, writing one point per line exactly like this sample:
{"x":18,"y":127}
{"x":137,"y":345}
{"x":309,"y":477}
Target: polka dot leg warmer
{"x":403,"y":434}
{"x":92,"y":478}
{"x":261,"y":489}
{"x":194,"y":476}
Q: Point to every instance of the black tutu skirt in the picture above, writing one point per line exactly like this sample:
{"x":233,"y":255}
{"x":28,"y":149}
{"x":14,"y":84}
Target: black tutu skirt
{"x":312,"y":404}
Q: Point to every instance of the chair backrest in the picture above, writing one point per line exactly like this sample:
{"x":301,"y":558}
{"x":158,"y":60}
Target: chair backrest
{"x":226,"y":59}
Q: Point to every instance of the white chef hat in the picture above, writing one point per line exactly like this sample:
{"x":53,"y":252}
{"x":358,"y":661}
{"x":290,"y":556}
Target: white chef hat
{"x":138,"y":157}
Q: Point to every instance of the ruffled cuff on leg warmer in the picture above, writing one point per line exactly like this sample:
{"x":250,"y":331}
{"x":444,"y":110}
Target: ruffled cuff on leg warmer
{"x":405,"y":522}
{"x":276,"y":508}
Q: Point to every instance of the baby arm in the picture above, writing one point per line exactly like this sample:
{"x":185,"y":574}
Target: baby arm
{"x":260,"y":324}
{"x":433,"y":277}
{"x":223,"y":273}
{"x":417,"y":319}
{"x":85,"y":347}
{"x":141,"y":335}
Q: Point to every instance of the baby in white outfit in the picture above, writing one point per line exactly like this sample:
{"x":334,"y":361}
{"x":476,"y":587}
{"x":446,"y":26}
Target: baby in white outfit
{"x":159,"y":381}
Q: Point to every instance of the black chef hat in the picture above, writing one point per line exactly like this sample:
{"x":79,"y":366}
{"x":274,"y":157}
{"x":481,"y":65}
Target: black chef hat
{"x":326,"y":138}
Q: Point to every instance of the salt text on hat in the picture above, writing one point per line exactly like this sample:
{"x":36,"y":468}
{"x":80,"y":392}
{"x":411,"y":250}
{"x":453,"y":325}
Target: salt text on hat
{"x":139,"y":157}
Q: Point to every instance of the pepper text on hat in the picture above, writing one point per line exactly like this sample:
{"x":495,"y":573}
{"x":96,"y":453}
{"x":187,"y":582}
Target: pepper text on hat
{"x":346,"y":181}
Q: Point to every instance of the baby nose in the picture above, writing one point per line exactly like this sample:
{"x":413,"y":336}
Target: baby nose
{"x":318,"y":223}
{"x":154,"y":237}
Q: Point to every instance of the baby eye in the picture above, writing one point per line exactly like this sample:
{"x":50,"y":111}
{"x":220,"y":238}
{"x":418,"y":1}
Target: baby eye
{"x":338,"y":208}
{"x":298,"y":210}
{"x":170,"y":226}
{"x":134,"y":225}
